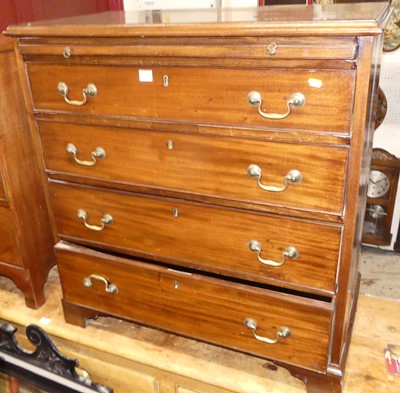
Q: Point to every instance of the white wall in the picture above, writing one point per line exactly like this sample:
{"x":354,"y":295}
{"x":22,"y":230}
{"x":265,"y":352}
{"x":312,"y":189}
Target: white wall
{"x":175,"y":4}
{"x":166,"y":4}
{"x":179,"y":17}
{"x":387,"y":135}
{"x":239,"y":3}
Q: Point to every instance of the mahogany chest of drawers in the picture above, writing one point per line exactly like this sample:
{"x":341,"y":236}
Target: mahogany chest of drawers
{"x":207,"y":171}
{"x":26,"y":238}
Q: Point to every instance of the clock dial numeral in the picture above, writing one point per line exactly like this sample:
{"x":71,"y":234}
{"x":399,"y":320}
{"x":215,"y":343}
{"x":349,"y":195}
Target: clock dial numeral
{"x":378,"y":184}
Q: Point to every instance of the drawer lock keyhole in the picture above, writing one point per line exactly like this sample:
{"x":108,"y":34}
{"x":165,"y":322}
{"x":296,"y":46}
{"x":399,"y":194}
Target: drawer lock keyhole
{"x":175,"y":212}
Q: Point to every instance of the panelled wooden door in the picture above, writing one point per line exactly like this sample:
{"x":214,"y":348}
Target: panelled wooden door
{"x":19,"y":11}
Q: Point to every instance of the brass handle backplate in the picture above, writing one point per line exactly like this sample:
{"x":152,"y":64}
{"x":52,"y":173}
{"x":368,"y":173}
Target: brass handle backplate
{"x":109,"y":287}
{"x":296,"y":100}
{"x":67,"y":52}
{"x":283,"y":332}
{"x":98,"y":154}
{"x":290,"y":252}
{"x":90,"y":90}
{"x":105,"y":220}
{"x":293,"y":176}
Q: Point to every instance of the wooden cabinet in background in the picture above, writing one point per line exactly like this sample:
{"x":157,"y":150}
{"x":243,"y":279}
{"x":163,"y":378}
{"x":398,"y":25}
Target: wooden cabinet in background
{"x":26,"y":238}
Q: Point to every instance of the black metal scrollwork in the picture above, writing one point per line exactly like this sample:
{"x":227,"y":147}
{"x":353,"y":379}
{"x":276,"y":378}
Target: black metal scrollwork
{"x":45,"y":356}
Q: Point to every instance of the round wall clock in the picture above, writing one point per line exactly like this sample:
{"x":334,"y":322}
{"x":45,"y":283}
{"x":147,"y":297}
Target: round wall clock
{"x":378,"y":184}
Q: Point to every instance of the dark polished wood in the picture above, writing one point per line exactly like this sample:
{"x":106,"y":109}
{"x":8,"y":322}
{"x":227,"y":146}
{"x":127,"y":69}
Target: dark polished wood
{"x":144,"y":158}
{"x":378,"y":228}
{"x":3,"y":195}
{"x":279,"y":21}
{"x":315,"y":383}
{"x":208,"y":98}
{"x":9,"y":252}
{"x":203,"y":307}
{"x":335,"y":48}
{"x":26,"y":237}
{"x":174,"y":177}
{"x":147,"y":227}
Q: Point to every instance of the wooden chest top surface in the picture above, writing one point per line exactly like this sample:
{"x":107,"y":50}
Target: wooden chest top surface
{"x":5,"y":44}
{"x":339,"y":19}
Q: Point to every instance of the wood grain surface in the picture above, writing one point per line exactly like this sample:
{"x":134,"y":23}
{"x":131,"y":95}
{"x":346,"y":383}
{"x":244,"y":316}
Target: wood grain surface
{"x":24,"y":215}
{"x":181,"y":198}
{"x":209,"y":309}
{"x":201,"y":95}
{"x":8,"y":245}
{"x":202,"y":237}
{"x":201,"y":165}
{"x":333,"y":48}
{"x":2,"y":189}
{"x":331,"y":20}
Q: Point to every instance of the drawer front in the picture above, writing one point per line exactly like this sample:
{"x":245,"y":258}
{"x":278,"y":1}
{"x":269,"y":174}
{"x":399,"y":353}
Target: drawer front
{"x":201,"y":95}
{"x":212,"y":166}
{"x":208,"y":238}
{"x":8,"y":244}
{"x":197,"y":306}
{"x":208,"y":48}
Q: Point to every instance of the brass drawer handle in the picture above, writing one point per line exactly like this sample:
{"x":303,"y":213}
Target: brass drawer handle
{"x":293,"y":176}
{"x":106,"y":219}
{"x":98,"y":154}
{"x":290,"y":252}
{"x":296,"y":100}
{"x":109,"y":288}
{"x":90,"y":90}
{"x":283,"y":332}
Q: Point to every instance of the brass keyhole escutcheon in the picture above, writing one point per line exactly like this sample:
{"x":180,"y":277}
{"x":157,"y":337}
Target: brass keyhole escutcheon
{"x":165,"y":81}
{"x":170,"y":144}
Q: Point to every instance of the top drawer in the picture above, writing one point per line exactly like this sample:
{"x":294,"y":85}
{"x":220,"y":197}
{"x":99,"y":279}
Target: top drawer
{"x":234,"y":49}
{"x":319,"y":101}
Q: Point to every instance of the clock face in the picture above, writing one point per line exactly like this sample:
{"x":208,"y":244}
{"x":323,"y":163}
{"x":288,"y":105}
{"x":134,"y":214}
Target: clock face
{"x":378,"y":184}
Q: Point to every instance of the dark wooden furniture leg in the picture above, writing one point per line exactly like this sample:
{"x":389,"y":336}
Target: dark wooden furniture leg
{"x":315,"y":382}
